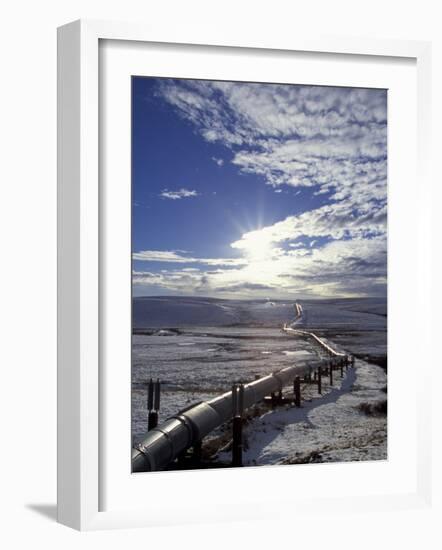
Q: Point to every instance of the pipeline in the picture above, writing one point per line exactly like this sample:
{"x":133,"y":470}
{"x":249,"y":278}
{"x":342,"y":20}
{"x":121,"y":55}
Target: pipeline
{"x":318,"y":340}
{"x":289,"y":329}
{"x":167,"y":441}
{"x":298,"y":314}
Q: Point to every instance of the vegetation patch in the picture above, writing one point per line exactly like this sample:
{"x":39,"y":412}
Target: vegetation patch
{"x":374,"y":408}
{"x":379,"y":360}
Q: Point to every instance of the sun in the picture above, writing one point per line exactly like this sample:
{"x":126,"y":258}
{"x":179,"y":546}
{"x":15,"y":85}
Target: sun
{"x":256,"y":247}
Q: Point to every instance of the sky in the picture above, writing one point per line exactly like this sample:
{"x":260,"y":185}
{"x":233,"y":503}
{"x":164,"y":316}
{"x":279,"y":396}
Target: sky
{"x":253,"y":190}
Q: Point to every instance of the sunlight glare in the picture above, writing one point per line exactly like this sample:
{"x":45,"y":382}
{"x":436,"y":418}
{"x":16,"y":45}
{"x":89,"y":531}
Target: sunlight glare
{"x":256,"y":247}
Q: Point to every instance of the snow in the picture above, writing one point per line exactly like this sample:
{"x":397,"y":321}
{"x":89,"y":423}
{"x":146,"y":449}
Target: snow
{"x":201,"y":363}
{"x":324,"y":429}
{"x":199,"y":347}
{"x":299,"y":354}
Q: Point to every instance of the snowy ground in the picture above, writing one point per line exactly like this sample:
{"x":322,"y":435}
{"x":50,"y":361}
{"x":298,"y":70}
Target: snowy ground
{"x":199,"y":347}
{"x":324,"y":429}
{"x":199,"y":364}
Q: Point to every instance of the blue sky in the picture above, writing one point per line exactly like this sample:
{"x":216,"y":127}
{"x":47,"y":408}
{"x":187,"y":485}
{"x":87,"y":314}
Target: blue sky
{"x":244,"y":190}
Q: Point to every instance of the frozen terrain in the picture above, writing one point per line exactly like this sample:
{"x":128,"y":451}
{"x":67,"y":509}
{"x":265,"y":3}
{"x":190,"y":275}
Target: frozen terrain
{"x":331,"y":427}
{"x":196,"y":364}
{"x":199,"y":346}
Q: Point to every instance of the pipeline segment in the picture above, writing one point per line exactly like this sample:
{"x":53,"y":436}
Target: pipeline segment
{"x":324,"y":346}
{"x":166,"y":442}
{"x":163,"y":444}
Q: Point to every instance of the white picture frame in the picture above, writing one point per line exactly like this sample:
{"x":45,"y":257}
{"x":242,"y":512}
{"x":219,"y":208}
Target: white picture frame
{"x":79,"y":263}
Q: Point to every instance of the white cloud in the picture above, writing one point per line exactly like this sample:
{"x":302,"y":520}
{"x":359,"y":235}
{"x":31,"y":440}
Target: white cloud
{"x":160,"y":256}
{"x":337,"y":221}
{"x":179,"y":194}
{"x":344,"y":268}
{"x":331,"y":142}
{"x":301,"y":136}
{"x":179,"y":257}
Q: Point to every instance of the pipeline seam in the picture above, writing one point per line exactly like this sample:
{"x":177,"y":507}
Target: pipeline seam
{"x":187,"y":424}
{"x":170,"y":441}
{"x":146,"y":455}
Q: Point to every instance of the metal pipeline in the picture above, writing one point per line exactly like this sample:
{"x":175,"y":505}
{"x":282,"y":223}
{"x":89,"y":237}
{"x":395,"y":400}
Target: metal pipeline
{"x":163,"y":444}
{"x":325,"y":346}
{"x":167,"y":441}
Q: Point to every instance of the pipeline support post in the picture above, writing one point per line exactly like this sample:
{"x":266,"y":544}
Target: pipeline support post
{"x":320,"y":380}
{"x":153,"y":404}
{"x":331,"y":373}
{"x":156,"y":401}
{"x":237,"y":413}
{"x":150,"y":395}
{"x":297,"y":391}
{"x":152,"y":420}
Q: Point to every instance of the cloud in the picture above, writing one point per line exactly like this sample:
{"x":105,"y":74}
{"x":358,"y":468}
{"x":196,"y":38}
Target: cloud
{"x":355,"y":267}
{"x":179,"y":257}
{"x":333,"y":140}
{"x":160,"y":256}
{"x":180,"y":194}
{"x":246,"y":286}
{"x":337,"y":221}
{"x":332,"y":143}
